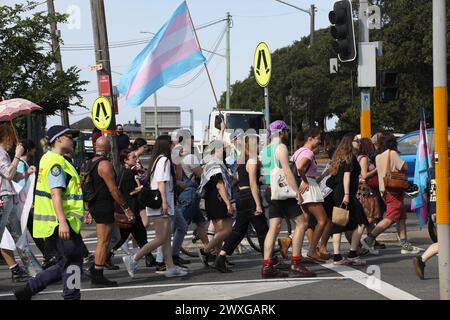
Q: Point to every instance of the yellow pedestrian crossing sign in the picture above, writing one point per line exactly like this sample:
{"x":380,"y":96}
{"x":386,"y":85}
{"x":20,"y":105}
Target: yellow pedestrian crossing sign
{"x":262,"y":64}
{"x":101,"y":113}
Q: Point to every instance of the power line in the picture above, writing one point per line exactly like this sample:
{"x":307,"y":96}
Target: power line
{"x":127,"y":43}
{"x":267,"y":16}
{"x":216,"y":46}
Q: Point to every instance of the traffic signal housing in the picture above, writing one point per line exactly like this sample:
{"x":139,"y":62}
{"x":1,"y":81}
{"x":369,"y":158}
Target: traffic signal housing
{"x":343,"y":31}
{"x":389,"y":86}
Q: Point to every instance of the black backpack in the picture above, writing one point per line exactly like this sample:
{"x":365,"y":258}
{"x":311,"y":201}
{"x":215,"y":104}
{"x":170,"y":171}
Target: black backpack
{"x":87,"y":181}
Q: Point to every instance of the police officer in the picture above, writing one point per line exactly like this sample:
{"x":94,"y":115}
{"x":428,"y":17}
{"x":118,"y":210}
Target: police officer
{"x":58,"y":213}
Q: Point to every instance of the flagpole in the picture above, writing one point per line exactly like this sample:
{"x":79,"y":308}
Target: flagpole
{"x":206,"y":67}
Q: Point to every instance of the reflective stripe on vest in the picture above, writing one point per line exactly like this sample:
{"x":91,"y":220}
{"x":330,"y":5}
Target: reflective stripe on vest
{"x":72,"y":200}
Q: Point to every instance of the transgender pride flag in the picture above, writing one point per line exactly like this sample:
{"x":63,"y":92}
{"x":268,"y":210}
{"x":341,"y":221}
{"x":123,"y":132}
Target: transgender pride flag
{"x":421,"y":171}
{"x":171,"y":53}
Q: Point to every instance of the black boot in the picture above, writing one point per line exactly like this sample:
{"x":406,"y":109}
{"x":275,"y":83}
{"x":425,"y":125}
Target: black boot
{"x":150,"y":261}
{"x":221,"y":265}
{"x":22,"y":293}
{"x":98,"y":279}
{"x":109,"y":264}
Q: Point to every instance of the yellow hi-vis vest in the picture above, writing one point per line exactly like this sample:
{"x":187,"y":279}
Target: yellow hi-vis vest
{"x":45,"y":220}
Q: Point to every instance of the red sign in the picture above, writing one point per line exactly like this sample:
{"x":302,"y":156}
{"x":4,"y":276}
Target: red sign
{"x":104,"y":85}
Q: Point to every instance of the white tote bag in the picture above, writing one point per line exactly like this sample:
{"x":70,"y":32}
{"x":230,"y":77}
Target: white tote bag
{"x":280,"y":188}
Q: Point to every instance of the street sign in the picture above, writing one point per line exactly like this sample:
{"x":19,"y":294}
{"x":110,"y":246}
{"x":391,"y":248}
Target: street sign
{"x":101,"y":113}
{"x":96,"y":67}
{"x":262,"y":64}
{"x":104,"y":85}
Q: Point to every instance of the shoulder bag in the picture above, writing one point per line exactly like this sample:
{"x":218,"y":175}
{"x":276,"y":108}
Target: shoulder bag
{"x":149,"y":197}
{"x":394,"y":182}
{"x":279,"y":186}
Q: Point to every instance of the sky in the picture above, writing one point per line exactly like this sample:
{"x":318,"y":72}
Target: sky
{"x":253,"y":21}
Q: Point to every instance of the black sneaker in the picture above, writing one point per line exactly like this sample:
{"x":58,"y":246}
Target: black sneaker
{"x":109,"y":264}
{"x":161,"y":268}
{"x":229,"y":263}
{"x":180,"y":260}
{"x":150,"y":261}
{"x":19,"y":275}
{"x":220,"y":264}
{"x":419,"y":267}
{"x":48,"y":263}
{"x":379,"y":245}
{"x":204,"y":256}
{"x":22,"y":293}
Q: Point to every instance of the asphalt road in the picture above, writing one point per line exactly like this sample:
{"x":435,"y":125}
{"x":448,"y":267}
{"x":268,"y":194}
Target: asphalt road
{"x":394,"y":278}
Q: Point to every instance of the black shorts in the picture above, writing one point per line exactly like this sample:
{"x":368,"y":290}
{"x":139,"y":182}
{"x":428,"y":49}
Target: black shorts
{"x":103,"y":217}
{"x":282,"y":208}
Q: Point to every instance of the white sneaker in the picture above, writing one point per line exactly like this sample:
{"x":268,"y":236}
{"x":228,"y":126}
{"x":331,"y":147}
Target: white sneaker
{"x":130,"y":264}
{"x":407,"y":248}
{"x":175,"y":272}
{"x":125,"y":248}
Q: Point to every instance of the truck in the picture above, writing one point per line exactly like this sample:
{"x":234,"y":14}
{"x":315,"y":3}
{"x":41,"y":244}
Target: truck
{"x":234,"y":119}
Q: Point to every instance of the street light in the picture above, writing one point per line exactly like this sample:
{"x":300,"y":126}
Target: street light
{"x":311,"y":13}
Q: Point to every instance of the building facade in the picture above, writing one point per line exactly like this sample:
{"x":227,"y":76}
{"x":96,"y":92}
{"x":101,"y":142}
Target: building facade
{"x":168,"y":120}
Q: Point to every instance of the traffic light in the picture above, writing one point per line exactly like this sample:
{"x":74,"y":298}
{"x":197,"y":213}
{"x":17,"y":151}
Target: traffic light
{"x":389,"y":86}
{"x":343,"y":30}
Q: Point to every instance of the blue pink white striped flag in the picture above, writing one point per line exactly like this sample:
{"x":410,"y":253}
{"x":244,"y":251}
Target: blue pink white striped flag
{"x":171,"y":53}
{"x":421,"y":178}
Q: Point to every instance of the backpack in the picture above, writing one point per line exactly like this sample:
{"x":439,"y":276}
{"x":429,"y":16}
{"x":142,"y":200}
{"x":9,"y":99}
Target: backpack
{"x":87,"y":181}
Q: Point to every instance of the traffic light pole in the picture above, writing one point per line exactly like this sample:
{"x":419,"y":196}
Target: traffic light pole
{"x":365,"y":121}
{"x":441,"y":143}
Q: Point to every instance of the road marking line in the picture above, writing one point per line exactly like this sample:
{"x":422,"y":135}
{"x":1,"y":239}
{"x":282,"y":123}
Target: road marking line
{"x":222,"y":291}
{"x":383,"y":288}
{"x":165,"y":285}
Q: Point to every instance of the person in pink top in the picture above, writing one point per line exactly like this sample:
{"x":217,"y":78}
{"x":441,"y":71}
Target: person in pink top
{"x":312,"y":204}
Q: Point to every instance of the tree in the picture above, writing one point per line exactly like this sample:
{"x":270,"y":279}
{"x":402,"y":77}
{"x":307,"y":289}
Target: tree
{"x":27,"y":69}
{"x":301,"y":78}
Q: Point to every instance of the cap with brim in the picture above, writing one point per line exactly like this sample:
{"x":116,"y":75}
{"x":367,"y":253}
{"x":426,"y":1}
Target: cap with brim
{"x":57,"y":131}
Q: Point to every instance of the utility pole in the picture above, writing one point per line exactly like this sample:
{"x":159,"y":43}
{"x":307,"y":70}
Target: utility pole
{"x":365,"y":121}
{"x":56,"y":49}
{"x":227,"y":105}
{"x":102,"y":57}
{"x":311,"y":12}
{"x":441,"y":143}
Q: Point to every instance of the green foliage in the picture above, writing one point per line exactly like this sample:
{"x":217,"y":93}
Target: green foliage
{"x":27,"y":62}
{"x":301,"y":80}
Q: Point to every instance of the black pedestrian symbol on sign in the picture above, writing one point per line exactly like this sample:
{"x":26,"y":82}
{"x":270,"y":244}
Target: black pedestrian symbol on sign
{"x":262,"y":56}
{"x":105,"y":114}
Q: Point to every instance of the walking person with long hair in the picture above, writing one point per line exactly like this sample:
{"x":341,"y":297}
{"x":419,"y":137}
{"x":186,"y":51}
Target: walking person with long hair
{"x":161,"y":177}
{"x":9,"y":218}
{"x":130,"y":189}
{"x":312,"y":199}
{"x":368,"y":183}
{"x":344,"y":181}
{"x":216,"y":188}
{"x":389,"y":160}
{"x":248,"y":203}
